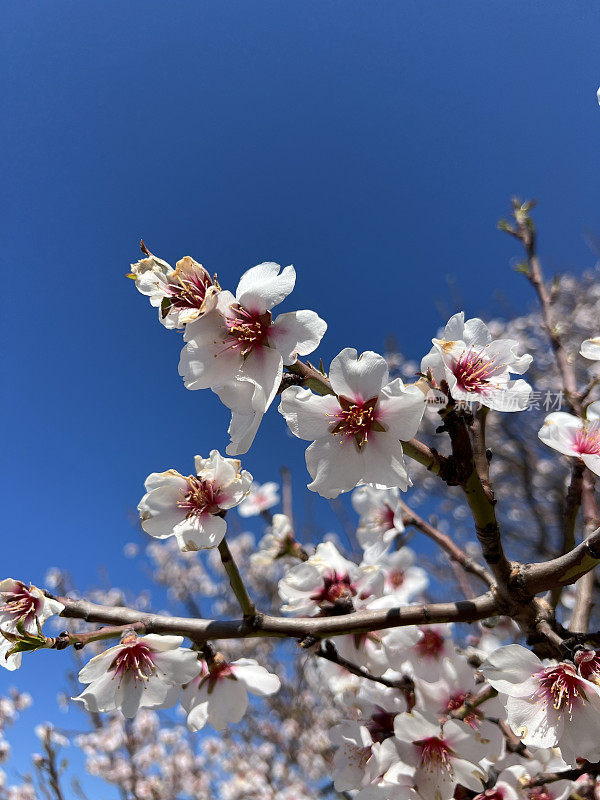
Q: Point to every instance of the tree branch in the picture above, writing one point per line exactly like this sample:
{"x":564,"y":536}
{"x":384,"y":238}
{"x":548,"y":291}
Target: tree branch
{"x":445,"y":542}
{"x":235,"y":580}
{"x":329,"y":652}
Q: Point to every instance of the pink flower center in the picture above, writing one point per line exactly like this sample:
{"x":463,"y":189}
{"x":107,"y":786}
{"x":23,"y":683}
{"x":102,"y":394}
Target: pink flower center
{"x":561,"y":687}
{"x":539,"y":793}
{"x":588,"y":663}
{"x":200,"y":498}
{"x":384,"y":518}
{"x":587,"y":440}
{"x":19,"y":602}
{"x":395,"y":578}
{"x":246,"y":330}
{"x":219,"y":670}
{"x":434,"y":754}
{"x":336,"y":587}
{"x":188,"y":290}
{"x":134,"y":659}
{"x":473,"y":371}
{"x":381,"y":725}
{"x":356,"y":419}
{"x":431,"y":645}
{"x":457,"y":701}
{"x":497,"y":793}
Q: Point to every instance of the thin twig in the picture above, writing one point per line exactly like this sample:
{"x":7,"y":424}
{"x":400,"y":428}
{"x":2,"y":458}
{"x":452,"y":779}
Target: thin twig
{"x":445,"y":542}
{"x":235,"y":580}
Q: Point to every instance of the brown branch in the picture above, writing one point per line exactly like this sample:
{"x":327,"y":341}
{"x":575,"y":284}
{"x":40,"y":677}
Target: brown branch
{"x":235,"y":580}
{"x":200,"y":630}
{"x":445,"y":542}
{"x":329,"y":652}
{"x":564,"y":570}
{"x":566,"y":775}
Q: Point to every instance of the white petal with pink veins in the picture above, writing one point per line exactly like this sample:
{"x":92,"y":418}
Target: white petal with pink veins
{"x":297,"y":333}
{"x":358,"y":378}
{"x":262,"y":287}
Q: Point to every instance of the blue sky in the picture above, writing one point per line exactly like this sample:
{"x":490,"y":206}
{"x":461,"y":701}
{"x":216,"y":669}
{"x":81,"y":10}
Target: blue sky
{"x":372,"y":145}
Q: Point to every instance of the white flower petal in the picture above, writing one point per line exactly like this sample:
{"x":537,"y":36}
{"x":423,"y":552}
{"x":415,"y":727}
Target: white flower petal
{"x":358,"y":378}
{"x":297,"y":333}
{"x":262,"y":287}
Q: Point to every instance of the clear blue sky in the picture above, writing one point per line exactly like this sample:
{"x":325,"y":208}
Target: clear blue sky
{"x":371,"y":144}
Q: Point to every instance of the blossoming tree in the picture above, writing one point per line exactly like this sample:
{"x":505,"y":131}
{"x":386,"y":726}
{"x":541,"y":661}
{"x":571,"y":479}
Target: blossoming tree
{"x":492,"y":692}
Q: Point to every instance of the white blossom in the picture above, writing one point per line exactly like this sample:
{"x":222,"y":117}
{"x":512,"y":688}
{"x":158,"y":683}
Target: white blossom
{"x":22,"y":605}
{"x":575,"y":437}
{"x":190,"y":508}
{"x":327,"y":582}
{"x":261,"y":497}
{"x":439,"y":757}
{"x":238,"y":350}
{"x":140,"y":672}
{"x":355,"y":434}
{"x":219,"y":694}
{"x":477,"y":368}
{"x":181,"y":295}
{"x":278,"y":542}
{"x":547,"y":706}
{"x":380,"y":518}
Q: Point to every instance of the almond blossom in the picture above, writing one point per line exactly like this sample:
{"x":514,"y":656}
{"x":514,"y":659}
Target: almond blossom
{"x":140,"y":672}
{"x":590,"y":348}
{"x":380,"y":517}
{"x":328,"y":583}
{"x":365,"y":747}
{"x":547,"y":706}
{"x":444,"y":756}
{"x":476,"y":368}
{"x":278,"y":542}
{"x":191,"y":508}
{"x":181,"y":295}
{"x":421,"y":650}
{"x":239,"y":350}
{"x":218,"y":693}
{"x":355,"y":432}
{"x":575,"y":437}
{"x":512,"y":781}
{"x":26,"y":607}
{"x":259,"y":499}
{"x":402,"y":579}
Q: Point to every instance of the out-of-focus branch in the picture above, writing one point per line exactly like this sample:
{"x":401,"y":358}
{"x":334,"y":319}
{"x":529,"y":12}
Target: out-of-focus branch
{"x":524,"y":231}
{"x":457,"y":555}
{"x":580,"y":618}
